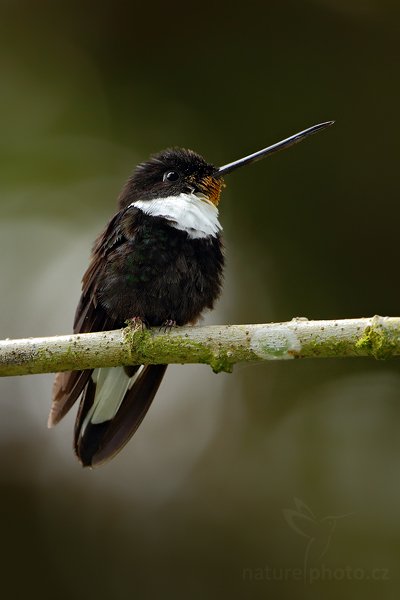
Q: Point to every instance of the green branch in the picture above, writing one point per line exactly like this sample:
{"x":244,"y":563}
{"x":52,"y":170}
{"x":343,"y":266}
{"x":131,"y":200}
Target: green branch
{"x":221,"y":347}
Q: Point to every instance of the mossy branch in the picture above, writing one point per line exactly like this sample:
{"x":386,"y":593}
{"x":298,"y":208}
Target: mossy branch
{"x":218,"y":346}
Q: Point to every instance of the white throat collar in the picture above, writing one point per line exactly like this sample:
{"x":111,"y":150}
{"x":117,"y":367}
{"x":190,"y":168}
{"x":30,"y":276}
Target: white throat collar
{"x":192,"y":213}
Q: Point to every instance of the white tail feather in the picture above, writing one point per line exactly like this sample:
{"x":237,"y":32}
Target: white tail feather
{"x":111,"y":387}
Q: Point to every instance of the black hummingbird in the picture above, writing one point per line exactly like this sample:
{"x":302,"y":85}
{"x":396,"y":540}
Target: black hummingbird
{"x":160,"y":261}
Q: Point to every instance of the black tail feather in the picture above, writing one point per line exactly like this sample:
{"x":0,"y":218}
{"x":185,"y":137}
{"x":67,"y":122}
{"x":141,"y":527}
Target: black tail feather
{"x":67,"y":388}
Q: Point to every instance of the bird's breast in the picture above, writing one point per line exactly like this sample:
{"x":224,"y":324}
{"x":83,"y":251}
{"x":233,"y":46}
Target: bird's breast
{"x":162,"y":274}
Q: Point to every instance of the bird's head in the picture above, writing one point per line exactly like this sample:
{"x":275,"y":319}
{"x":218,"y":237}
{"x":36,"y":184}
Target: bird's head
{"x":181,"y":187}
{"x":177,"y":171}
{"x":170,"y":173}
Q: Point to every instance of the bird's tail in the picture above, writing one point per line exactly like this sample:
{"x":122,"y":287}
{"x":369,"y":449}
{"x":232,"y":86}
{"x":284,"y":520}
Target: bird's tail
{"x":114,"y":403}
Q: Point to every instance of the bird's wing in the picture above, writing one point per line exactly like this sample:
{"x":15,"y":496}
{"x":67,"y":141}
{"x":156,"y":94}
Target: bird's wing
{"x":89,"y":316}
{"x":115,"y":400}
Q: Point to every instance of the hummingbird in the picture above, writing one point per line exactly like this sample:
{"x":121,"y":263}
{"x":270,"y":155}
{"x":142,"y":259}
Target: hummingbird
{"x":159,"y":262}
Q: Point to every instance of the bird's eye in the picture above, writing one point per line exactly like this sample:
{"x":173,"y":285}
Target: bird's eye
{"x":171,"y":176}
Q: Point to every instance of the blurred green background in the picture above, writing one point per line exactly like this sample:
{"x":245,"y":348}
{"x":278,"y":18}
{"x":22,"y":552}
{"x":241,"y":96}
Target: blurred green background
{"x":198,"y":504}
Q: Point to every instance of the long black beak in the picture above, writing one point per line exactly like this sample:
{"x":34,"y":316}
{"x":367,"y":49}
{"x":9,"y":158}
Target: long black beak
{"x":290,"y":141}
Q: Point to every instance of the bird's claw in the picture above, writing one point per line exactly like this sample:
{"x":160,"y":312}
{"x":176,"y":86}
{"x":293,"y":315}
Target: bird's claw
{"x":137,"y":323}
{"x":168,"y":325}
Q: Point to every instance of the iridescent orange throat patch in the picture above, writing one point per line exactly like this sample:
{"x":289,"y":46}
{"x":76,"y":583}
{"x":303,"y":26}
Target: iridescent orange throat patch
{"x":212,"y":188}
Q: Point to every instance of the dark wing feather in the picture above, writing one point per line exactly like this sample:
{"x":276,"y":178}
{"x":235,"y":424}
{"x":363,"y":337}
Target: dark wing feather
{"x":100,"y":442}
{"x":89,"y":317}
{"x":97,"y":442}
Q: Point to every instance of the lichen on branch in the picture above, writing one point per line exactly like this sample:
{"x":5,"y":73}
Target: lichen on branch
{"x":220,"y":346}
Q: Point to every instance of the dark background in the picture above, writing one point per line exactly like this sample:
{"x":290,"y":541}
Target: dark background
{"x":195,"y":505}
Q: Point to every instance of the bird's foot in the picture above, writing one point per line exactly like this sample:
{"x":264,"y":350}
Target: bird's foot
{"x":137,"y":323}
{"x":167,"y":325}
